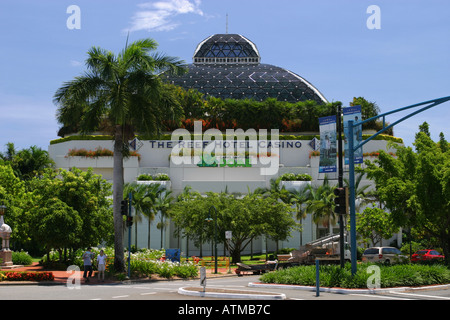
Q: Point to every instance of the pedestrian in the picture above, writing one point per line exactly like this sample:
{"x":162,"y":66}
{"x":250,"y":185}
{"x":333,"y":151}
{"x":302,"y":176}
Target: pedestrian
{"x":101,"y":265}
{"x":87,"y":261}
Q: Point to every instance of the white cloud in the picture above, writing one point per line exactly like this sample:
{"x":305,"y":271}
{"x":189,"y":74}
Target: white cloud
{"x":158,"y":16}
{"x":75,"y":63}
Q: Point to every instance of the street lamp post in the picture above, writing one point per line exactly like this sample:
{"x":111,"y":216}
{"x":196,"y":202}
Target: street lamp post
{"x":352,"y":148}
{"x":215,"y":234}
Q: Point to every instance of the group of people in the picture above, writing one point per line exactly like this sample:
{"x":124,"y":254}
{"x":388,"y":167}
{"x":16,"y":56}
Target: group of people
{"x":87,"y":257}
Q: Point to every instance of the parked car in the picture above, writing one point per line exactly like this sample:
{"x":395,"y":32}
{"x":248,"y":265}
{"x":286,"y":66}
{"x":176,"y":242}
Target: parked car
{"x":385,"y":255}
{"x":426,"y":255}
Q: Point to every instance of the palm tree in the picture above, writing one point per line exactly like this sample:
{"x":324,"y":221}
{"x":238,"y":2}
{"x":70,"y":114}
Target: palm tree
{"x":362,"y":196}
{"x":163,"y":202}
{"x":124,"y":93}
{"x":275,"y":191}
{"x":321,"y":204}
{"x":144,"y":197}
{"x":10,"y":152}
{"x":299,"y":198}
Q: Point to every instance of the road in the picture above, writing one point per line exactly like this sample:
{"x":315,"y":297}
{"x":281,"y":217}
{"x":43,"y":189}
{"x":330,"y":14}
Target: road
{"x":168,"y":290}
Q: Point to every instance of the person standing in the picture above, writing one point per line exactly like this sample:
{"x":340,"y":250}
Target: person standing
{"x":101,"y":265}
{"x":87,"y":261}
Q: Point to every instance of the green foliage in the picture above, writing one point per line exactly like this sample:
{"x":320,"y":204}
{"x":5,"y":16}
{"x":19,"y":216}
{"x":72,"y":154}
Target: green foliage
{"x":28,"y":162}
{"x":375,"y":224}
{"x":248,"y":217}
{"x":21,"y":258}
{"x":414,"y":186}
{"x":81,"y":138}
{"x":70,"y":209}
{"x":121,"y":93}
{"x":148,"y":262}
{"x":335,"y":276}
{"x":158,"y":177}
{"x":295,"y":177}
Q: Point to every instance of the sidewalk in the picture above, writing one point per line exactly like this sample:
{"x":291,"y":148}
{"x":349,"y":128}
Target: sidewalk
{"x":61,"y":276}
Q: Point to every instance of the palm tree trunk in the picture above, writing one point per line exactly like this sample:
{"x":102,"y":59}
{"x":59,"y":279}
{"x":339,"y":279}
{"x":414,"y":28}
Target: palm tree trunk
{"x":148,"y":239}
{"x":118,"y":182}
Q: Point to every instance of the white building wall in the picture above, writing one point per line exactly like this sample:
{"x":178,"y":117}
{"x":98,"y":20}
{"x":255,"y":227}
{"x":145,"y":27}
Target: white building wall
{"x":155,"y":158}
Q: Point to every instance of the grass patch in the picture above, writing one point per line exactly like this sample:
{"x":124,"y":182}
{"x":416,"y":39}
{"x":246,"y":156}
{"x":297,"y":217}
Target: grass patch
{"x":335,"y":276}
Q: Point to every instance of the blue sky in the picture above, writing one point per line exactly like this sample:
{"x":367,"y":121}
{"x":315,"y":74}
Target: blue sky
{"x":325,"y":41}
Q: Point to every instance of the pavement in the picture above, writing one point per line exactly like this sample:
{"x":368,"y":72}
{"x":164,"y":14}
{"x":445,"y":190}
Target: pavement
{"x":61,"y":276}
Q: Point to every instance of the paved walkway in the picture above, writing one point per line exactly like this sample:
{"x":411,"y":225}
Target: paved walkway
{"x":61,"y":276}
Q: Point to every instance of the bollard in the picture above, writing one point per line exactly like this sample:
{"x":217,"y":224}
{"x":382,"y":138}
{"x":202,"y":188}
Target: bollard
{"x":317,"y":279}
{"x":203,"y":278}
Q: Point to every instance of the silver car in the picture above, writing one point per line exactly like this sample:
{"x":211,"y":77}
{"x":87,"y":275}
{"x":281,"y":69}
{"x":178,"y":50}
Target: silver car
{"x":385,"y":255}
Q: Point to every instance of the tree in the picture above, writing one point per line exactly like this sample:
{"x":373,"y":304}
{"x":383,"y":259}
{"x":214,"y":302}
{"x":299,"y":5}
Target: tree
{"x":143,"y":201}
{"x":124,"y":93}
{"x":321,"y":204}
{"x":68,"y":198}
{"x":27,"y":163}
{"x":56,"y":225}
{"x":375,"y":224}
{"x":14,"y":196}
{"x":362,"y":197}
{"x":162,"y":204}
{"x":415,"y":187}
{"x":299,"y":198}
{"x":248,"y":218}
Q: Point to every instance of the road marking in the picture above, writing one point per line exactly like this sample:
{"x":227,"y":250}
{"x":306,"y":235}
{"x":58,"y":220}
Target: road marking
{"x":419,"y":295}
{"x":377,"y":296}
{"x":118,"y":297}
{"x":147,"y":293}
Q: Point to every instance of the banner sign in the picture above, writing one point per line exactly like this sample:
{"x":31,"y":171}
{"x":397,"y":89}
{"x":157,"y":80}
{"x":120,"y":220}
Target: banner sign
{"x":328,"y":149}
{"x":353,"y":113}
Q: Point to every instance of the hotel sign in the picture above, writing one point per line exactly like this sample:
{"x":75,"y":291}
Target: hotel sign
{"x":222,"y":162}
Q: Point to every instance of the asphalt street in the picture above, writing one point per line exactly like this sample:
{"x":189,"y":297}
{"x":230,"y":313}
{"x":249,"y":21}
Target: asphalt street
{"x":169,"y":290}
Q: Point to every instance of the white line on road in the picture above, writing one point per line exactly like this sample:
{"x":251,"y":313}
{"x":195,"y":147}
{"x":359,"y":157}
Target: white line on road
{"x":147,"y":293}
{"x":377,"y":296}
{"x":118,"y":297}
{"x":420,"y":295}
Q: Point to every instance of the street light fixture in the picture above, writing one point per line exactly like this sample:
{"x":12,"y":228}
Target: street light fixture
{"x":215,"y":231}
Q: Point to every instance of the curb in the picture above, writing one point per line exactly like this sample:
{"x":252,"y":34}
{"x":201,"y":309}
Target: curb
{"x":230,"y":294}
{"x":346,"y":291}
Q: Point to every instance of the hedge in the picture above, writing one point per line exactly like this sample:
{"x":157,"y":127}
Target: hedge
{"x":335,"y":276}
{"x":26,"y":276}
{"x":168,"y":136}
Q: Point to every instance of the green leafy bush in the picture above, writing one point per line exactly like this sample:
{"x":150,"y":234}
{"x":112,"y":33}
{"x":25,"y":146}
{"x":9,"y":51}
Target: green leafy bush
{"x":157,"y":177}
{"x":335,"y":276}
{"x":21,"y":258}
{"x":295,"y":177}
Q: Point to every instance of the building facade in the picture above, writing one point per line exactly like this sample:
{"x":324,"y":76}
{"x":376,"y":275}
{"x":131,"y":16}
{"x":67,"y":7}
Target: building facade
{"x":224,"y":66}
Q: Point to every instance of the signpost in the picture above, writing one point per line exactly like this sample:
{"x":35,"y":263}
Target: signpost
{"x":203,"y":278}
{"x":228,"y":236}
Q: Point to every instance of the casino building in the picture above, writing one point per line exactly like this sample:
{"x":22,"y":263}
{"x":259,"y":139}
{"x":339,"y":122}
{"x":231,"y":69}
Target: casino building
{"x":229,"y":66}
{"x":224,"y":66}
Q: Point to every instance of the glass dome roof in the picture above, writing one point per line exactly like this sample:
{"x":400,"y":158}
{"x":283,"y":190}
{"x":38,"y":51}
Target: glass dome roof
{"x":228,"y":66}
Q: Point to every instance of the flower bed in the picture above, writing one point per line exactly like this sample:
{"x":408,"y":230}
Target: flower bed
{"x":26,"y":276}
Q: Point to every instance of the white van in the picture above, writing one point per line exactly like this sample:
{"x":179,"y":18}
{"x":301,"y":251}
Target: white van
{"x":385,"y":255}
